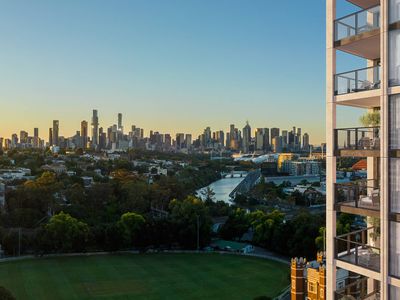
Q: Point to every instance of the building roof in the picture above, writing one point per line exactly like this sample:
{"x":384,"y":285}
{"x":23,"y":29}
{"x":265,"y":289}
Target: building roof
{"x":360,"y":165}
{"x":222,"y":244}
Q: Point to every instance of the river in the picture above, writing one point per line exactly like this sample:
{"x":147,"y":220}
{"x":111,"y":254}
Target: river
{"x":222,"y":188}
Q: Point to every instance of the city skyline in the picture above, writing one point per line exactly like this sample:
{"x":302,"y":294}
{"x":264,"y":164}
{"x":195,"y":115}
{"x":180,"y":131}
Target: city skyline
{"x":113,"y":136}
{"x":202,"y":75}
{"x":85,"y":125}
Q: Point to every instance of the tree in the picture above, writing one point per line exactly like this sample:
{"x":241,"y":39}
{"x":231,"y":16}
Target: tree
{"x":371,"y":118}
{"x":65,"y":233}
{"x":305,"y":228}
{"x":130,"y":223}
{"x":134,"y":196}
{"x":266,"y":227}
{"x":6,"y":294}
{"x":208,"y":194}
{"x":238,"y":223}
{"x":185,"y":216}
{"x":320,"y":239}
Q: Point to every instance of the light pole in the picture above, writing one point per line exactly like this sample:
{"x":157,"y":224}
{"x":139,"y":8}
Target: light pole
{"x":198,"y":233}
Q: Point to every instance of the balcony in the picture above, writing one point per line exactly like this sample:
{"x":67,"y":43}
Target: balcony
{"x":360,"y":80}
{"x":359,"y":33}
{"x":357,"y":142}
{"x":358,"y":290}
{"x":364,"y":3}
{"x":361,"y":197}
{"x":353,"y":248}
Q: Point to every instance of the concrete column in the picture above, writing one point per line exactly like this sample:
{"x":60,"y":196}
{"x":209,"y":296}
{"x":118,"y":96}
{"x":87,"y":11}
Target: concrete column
{"x":384,"y":152}
{"x":330,"y":158}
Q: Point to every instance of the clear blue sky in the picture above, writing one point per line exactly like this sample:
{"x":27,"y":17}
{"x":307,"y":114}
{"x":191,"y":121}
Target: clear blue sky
{"x":167,"y":65}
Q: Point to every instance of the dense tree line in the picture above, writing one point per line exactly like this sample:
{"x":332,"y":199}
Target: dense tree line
{"x":294,"y":237}
{"x":122,"y":210}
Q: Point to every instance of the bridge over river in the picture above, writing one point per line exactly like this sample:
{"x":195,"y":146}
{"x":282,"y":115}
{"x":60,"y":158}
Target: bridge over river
{"x":231,"y":183}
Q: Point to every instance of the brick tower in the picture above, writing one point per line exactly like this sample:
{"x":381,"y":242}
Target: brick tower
{"x":298,"y":281}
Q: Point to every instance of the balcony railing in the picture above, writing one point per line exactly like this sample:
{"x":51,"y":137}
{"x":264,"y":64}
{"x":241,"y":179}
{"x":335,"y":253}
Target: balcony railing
{"x":359,"y":138}
{"x":358,"y":290}
{"x":360,"y":80}
{"x":359,"y":194}
{"x":353,"y":248}
{"x":358,"y":22}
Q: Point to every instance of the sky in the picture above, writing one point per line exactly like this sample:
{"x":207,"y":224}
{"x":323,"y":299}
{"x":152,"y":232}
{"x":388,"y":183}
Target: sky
{"x":166,"y":65}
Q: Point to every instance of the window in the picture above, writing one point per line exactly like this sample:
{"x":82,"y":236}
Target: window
{"x":394,"y":58}
{"x":394,"y":110}
{"x":394,"y":250}
{"x":340,"y":285}
{"x":394,"y":11}
{"x":311,"y":287}
{"x":394,"y":185}
{"x":394,"y":292}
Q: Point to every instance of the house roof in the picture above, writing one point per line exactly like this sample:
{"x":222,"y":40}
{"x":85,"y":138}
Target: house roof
{"x":360,"y":165}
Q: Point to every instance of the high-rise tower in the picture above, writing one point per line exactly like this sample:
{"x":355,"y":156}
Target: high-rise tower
{"x":56,"y":128}
{"x":370,"y":34}
{"x":84,"y":134}
{"x":95,"y":129}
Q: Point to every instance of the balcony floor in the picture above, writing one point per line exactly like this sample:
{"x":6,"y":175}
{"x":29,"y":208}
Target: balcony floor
{"x":362,"y":209}
{"x":366,"y":259}
{"x":365,"y":45}
{"x":357,"y":153}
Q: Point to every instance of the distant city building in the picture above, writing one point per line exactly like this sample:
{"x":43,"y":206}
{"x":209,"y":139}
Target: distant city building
{"x":306,"y":142}
{"x":55,"y":132}
{"x":84,"y":134}
{"x":120,"y":127}
{"x":95,"y":129}
{"x":277,"y":144}
{"x":246,"y":137}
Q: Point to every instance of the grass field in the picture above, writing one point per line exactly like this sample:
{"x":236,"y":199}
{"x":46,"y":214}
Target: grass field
{"x":151,"y":276}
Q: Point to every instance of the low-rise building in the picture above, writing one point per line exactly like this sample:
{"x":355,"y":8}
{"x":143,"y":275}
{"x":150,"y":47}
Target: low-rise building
{"x":308,"y":279}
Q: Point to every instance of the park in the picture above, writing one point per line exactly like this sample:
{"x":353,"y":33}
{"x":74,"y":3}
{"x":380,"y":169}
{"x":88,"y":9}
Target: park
{"x":145,"y":276}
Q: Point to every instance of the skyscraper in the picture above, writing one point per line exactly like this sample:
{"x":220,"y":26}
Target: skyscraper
{"x":246,"y":137}
{"x":306,"y":142}
{"x":180,"y":140}
{"x":84,"y":134}
{"x":259,"y":139}
{"x":274,"y":133}
{"x":372,"y":252}
{"x":95,"y":129}
{"x":56,"y":128}
{"x":50,"y":136}
{"x":120,"y":127}
{"x":267,"y":143}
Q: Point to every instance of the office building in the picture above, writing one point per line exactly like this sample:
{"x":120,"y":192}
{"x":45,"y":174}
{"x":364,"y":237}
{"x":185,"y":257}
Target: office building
{"x":95,"y":129}
{"x":370,"y":34}
{"x":36,"y":139}
{"x":120,"y":127}
{"x":180,"y":141}
{"x":55,"y":133}
{"x":306,"y":142}
{"x":246,"y":137}
{"x":274,"y":133}
{"x":84,"y":134}
{"x":50,"y":136}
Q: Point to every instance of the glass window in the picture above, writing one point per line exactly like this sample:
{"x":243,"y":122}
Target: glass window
{"x":394,"y":57}
{"x":394,"y":257}
{"x":394,"y":293}
{"x":394,"y":184}
{"x":394,"y":11}
{"x":394,"y":108}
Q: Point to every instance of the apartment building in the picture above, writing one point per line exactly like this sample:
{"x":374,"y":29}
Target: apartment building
{"x":371,"y":33}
